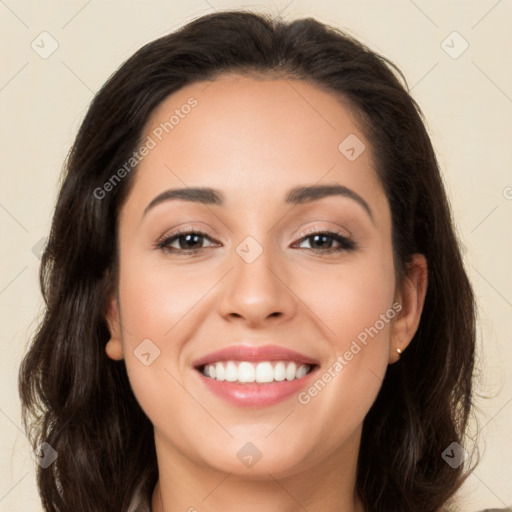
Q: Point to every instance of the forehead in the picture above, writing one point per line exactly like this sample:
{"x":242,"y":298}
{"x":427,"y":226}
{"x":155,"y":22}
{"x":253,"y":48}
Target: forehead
{"x":254,"y":137}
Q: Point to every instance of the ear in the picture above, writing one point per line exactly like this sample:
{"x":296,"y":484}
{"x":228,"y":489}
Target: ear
{"x":411,"y":296}
{"x":114,"y":347}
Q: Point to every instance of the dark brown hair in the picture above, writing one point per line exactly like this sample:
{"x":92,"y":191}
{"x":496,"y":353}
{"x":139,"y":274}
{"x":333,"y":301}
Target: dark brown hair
{"x":80,"y":402}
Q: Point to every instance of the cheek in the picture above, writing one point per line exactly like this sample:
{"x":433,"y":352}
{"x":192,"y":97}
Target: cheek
{"x":351,"y":298}
{"x":158,"y":300}
{"x":154,"y":306}
{"x":355,"y":306}
{"x":162,"y":303}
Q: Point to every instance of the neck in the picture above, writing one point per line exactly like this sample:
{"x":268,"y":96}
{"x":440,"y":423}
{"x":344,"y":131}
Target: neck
{"x":328,"y":485}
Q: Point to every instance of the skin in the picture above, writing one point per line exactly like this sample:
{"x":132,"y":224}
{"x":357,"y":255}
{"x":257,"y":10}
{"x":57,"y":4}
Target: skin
{"x":254,"y":139}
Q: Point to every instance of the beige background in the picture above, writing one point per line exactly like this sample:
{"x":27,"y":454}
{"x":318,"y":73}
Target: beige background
{"x":467,"y":101}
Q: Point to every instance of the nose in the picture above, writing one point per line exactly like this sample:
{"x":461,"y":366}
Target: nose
{"x":257,"y":292}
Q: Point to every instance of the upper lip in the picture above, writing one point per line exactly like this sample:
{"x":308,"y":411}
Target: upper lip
{"x":254,"y":353}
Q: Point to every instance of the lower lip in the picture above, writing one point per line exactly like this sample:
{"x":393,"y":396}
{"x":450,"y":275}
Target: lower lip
{"x":254,"y":394}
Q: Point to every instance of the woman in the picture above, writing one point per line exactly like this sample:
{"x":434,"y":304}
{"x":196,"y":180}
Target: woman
{"x":255,"y":296}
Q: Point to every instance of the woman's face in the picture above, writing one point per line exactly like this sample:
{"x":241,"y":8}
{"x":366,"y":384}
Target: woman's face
{"x":257,"y":278}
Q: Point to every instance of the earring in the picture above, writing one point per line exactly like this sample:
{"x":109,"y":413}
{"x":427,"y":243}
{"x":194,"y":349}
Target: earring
{"x":399,"y":351}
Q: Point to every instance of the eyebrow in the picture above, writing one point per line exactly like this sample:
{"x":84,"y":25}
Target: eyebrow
{"x":297,"y":195}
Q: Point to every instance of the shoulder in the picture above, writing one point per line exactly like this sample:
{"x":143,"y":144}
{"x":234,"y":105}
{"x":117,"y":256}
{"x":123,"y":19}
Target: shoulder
{"x":497,"y":510}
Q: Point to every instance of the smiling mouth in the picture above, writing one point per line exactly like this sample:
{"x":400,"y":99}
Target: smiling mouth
{"x":249,"y":372}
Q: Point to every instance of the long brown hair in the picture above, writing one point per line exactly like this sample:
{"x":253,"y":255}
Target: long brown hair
{"x":80,"y":402}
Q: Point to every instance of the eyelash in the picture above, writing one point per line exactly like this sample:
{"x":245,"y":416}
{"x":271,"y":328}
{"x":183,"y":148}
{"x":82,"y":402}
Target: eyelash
{"x":346,"y":244}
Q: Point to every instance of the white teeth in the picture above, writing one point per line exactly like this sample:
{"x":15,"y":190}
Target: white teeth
{"x":231,"y":372}
{"x":262,"y":372}
{"x":246,"y":372}
{"x":220,"y":372}
{"x":291,"y":371}
{"x":280,"y":371}
{"x":301,"y":371}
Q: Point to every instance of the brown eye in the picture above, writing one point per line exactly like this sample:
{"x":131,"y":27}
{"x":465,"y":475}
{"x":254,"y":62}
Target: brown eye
{"x":184,"y":241}
{"x":323,"y":241}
